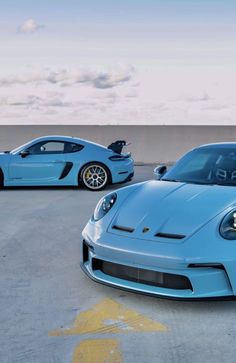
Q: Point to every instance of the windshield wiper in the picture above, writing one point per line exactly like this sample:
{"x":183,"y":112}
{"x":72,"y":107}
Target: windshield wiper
{"x":172,"y":180}
{"x":189,"y":181}
{"x":199,"y":182}
{"x":228,"y":184}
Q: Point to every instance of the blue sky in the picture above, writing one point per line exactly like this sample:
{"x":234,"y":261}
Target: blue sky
{"x":147,"y":15}
{"x":141,"y":47}
{"x":144,"y":11}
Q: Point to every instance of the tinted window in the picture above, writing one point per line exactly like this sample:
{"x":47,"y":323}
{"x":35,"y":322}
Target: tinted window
{"x":71,"y":147}
{"x":210,"y":165}
{"x":49,"y":147}
{"x":54,"y":147}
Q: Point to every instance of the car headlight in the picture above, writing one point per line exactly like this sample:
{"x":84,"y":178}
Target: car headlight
{"x":104,"y":205}
{"x":228,"y":226}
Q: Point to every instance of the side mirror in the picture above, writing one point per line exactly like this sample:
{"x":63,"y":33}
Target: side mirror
{"x":24,"y":153}
{"x":159,"y":171}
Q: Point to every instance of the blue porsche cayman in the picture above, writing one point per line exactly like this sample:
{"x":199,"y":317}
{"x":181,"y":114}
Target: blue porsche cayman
{"x":171,"y":237}
{"x":60,"y":160}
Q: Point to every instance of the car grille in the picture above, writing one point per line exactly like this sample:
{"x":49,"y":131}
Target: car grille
{"x":143,"y":276}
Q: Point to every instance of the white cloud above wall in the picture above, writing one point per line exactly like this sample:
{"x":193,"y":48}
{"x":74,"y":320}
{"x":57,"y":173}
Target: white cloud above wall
{"x":53,"y":99}
{"x":118,"y":95}
{"x":30,"y":26}
{"x":67,"y":77}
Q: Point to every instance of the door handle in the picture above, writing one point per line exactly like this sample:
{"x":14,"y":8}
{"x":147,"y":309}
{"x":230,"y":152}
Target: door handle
{"x":58,"y":161}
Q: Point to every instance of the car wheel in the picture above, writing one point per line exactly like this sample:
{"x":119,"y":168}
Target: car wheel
{"x":95,"y":176}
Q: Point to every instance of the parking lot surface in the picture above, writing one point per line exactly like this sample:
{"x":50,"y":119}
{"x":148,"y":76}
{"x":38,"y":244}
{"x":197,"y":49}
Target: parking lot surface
{"x":51,"y":312}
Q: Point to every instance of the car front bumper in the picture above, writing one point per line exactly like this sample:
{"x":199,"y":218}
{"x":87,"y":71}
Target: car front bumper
{"x":180,"y":282}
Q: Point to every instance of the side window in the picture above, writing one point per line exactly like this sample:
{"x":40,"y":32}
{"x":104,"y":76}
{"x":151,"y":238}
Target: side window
{"x":49,"y":147}
{"x":71,"y":147}
{"x":52,"y":146}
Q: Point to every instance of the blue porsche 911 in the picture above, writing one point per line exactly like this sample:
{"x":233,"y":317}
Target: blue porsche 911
{"x":171,"y":237}
{"x":60,"y":160}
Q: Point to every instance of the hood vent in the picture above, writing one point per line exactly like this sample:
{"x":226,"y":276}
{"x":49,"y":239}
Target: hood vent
{"x":123,"y":228}
{"x":170,"y":235}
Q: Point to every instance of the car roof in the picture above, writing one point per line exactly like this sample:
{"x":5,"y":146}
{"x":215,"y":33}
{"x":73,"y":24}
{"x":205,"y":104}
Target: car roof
{"x":218,"y":145}
{"x":66,"y":138}
{"x":56,"y":137}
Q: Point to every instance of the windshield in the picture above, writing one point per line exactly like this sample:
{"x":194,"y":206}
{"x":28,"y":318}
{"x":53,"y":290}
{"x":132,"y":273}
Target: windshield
{"x":209,"y":165}
{"x":15,"y":151}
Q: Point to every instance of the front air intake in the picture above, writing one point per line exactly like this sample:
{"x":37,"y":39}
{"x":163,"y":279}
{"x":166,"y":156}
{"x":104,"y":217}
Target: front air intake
{"x":143,"y":276}
{"x":85,"y":249}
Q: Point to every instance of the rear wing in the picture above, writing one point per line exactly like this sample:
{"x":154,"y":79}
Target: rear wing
{"x":117,"y":146}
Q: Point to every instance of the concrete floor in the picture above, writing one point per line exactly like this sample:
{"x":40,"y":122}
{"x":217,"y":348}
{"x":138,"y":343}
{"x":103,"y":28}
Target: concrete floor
{"x":43,"y":290}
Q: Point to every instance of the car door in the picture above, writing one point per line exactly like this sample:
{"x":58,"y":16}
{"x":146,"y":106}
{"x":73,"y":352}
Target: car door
{"x":40,"y":164}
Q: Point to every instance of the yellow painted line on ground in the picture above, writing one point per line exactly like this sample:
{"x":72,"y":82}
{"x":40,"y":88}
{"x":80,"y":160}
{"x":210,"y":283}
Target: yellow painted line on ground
{"x":97,"y":351}
{"x":109,"y":316}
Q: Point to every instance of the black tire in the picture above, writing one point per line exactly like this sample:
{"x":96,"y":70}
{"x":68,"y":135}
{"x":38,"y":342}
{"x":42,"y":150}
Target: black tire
{"x":95,"y":176}
{"x":1,"y":179}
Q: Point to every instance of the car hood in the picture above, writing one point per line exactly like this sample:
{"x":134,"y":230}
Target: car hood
{"x":170,"y":211}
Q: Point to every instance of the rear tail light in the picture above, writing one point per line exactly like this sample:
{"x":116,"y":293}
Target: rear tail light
{"x":117,"y":158}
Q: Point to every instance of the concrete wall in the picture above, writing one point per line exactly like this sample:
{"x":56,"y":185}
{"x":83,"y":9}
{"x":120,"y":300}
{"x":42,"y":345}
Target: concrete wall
{"x":150,"y":144}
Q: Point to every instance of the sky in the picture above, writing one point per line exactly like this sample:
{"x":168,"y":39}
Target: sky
{"x":118,"y":62}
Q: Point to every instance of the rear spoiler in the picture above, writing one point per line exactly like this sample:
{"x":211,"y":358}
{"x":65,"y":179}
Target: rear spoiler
{"x":117,"y":146}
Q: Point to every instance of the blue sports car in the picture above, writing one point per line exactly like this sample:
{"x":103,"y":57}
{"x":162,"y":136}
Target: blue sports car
{"x":172,"y":237}
{"x":60,"y":160}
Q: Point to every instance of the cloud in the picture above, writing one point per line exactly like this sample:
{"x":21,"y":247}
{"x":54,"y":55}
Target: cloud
{"x":202,"y":98}
{"x":65,"y":95}
{"x":30,"y":26}
{"x":216,"y":107}
{"x":18,"y":101}
{"x":75,"y":95}
{"x":66,"y":78}
{"x":51,"y":100}
{"x":110,"y":80}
